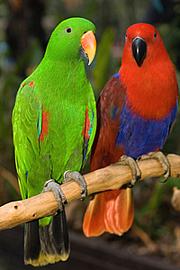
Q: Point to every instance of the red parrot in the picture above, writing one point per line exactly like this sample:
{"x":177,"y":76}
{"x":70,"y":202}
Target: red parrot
{"x":136,"y":110}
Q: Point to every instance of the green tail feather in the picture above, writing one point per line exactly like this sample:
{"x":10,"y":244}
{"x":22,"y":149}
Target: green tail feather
{"x":46,"y":244}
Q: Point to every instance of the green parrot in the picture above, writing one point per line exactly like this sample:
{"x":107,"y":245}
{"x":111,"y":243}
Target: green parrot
{"x":54,"y":124}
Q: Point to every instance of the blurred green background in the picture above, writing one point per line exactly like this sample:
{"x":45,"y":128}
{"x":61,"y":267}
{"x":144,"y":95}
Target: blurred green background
{"x":24,"y":30}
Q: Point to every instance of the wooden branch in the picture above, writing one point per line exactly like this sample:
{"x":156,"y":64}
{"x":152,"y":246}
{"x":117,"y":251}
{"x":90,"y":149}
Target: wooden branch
{"x":111,"y":177}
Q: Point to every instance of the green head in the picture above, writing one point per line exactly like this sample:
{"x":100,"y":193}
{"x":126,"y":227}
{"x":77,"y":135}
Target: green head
{"x":72,"y":39}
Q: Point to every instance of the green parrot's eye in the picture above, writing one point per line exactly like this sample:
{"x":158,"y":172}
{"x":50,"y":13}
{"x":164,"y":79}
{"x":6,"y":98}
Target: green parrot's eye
{"x":68,"y":30}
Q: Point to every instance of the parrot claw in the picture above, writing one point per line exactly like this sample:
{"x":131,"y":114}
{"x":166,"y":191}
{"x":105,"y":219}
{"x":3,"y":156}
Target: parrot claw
{"x":51,"y":185}
{"x":79,"y":179}
{"x":163,"y":161}
{"x":136,"y":173}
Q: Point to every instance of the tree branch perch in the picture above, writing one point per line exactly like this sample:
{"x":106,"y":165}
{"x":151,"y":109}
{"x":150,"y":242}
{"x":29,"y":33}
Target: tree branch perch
{"x":111,"y":177}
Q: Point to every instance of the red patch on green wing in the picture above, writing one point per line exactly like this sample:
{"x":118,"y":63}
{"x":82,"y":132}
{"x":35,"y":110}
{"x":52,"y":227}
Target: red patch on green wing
{"x":31,"y":84}
{"x":87,"y":125}
{"x":44,"y":130}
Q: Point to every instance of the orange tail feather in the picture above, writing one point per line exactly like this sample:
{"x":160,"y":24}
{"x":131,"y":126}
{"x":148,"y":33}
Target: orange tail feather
{"x":110,"y":211}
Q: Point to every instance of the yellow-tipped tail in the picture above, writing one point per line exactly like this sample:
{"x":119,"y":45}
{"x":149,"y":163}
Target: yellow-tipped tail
{"x":46,"y":244}
{"x":45,"y":259}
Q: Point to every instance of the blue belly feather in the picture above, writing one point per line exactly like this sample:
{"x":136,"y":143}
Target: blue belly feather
{"x":138,"y":136}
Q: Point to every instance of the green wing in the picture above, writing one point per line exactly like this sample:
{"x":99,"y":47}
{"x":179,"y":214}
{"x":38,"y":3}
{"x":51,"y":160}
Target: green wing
{"x":25,"y":133}
{"x":89,"y":129}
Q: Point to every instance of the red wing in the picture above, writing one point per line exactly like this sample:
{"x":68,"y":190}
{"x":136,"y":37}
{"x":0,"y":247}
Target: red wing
{"x":110,"y":211}
{"x":105,"y":151}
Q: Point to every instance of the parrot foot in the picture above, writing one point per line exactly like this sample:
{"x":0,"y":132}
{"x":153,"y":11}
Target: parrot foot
{"x":136,"y":173}
{"x":51,"y":185}
{"x":79,"y":179}
{"x":163,"y":161}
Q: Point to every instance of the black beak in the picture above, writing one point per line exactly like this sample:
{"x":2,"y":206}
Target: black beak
{"x":139,"y":49}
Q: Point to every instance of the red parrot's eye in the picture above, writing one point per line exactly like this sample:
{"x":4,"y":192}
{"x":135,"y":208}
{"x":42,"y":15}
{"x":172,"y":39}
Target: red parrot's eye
{"x":155,"y":35}
{"x":69,"y":30}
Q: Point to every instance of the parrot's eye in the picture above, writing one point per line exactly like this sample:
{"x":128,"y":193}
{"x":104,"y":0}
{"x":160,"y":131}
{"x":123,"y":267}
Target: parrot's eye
{"x":155,"y":35}
{"x":68,"y":30}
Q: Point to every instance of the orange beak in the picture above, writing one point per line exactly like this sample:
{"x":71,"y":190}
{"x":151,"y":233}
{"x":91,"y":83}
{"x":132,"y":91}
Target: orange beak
{"x":88,"y":42}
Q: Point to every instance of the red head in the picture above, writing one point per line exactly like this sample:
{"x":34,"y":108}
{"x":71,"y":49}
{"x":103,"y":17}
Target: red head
{"x":147,"y":72}
{"x":143,"y":44}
